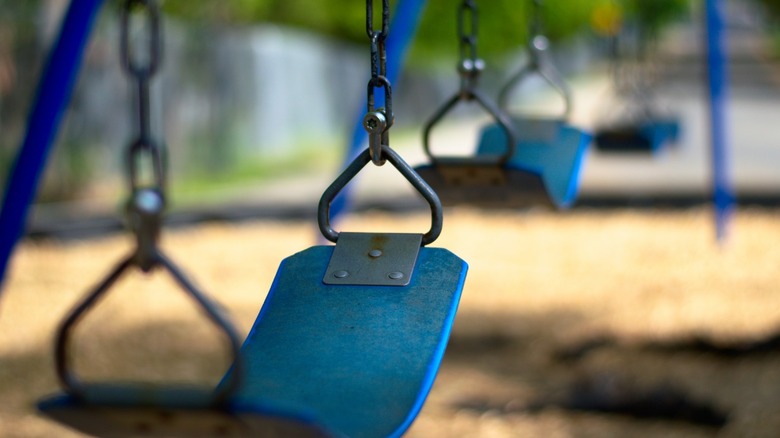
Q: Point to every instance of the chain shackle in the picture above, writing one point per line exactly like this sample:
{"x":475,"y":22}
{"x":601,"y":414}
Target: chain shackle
{"x":378,"y":121}
{"x":131,"y":64}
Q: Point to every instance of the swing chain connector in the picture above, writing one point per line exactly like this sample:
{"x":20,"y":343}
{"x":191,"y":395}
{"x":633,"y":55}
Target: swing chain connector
{"x":378,"y":121}
{"x":470,"y":66}
{"x":145,"y":217}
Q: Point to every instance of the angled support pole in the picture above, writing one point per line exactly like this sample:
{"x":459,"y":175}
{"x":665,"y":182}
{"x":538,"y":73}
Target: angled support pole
{"x":717,"y":67}
{"x":406,"y":19}
{"x":53,"y":94}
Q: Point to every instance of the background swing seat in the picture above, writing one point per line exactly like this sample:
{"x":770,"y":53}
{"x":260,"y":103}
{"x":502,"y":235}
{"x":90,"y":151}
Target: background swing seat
{"x":484,"y":183}
{"x":362,"y":359}
{"x":549,"y":148}
{"x":125,"y":411}
{"x":647,"y":137}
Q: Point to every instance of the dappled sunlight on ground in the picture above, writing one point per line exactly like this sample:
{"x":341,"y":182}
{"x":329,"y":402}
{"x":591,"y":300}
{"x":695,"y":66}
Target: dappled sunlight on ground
{"x":553,"y":302}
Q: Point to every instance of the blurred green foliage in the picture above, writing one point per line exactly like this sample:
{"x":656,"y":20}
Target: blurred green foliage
{"x":772,"y":7}
{"x":503,"y":24}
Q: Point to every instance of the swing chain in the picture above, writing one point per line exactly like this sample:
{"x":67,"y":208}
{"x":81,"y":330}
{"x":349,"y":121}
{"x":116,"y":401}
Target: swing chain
{"x":378,"y":121}
{"x":537,"y":41}
{"x":147,"y":202}
{"x":470,"y":65}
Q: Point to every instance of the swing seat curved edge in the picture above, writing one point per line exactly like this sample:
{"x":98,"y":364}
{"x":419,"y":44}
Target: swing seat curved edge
{"x":549,"y":148}
{"x":320,"y":361}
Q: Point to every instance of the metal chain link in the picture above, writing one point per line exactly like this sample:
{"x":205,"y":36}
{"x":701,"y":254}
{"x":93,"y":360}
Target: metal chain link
{"x":378,"y":121}
{"x":141,"y":71}
{"x":470,"y":65}
{"x":147,"y":200}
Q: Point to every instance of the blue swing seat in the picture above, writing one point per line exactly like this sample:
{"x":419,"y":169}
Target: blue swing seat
{"x":361,"y":359}
{"x":549,"y":148}
{"x":647,"y":137}
{"x":484,"y":183}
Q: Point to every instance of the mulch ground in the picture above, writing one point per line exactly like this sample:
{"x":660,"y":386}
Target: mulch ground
{"x":583,"y":324}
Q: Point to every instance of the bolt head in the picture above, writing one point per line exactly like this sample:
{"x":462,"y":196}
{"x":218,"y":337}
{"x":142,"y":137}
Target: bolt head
{"x":375,"y":122}
{"x":395,"y":275}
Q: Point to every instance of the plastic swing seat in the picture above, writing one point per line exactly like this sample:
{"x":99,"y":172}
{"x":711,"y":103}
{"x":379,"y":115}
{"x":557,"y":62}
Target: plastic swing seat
{"x":647,"y":137}
{"x":361,"y":359}
{"x":548,"y":148}
{"x":483,"y":180}
{"x":551,"y":149}
{"x":355,"y":333}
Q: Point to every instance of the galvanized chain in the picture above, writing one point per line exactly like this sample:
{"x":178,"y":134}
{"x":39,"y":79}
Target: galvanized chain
{"x":470,"y":65}
{"x":378,"y":121}
{"x":147,"y":201}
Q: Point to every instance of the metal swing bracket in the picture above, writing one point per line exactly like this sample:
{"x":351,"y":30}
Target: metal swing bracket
{"x":376,"y":259}
{"x":372,"y":259}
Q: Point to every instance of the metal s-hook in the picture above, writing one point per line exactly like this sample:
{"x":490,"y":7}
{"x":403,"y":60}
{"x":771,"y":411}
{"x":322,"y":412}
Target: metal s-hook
{"x":323,"y":210}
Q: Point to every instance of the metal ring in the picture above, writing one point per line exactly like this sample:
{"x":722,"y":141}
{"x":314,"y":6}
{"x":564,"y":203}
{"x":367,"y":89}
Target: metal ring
{"x":75,"y":387}
{"x":323,"y":211}
{"x":153,"y":15}
{"x":503,"y":121}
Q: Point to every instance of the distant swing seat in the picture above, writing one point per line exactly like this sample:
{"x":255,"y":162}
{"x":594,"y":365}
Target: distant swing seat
{"x":547,"y":147}
{"x":550,"y":149}
{"x":484,"y":183}
{"x":485,"y":180}
{"x":650,"y":136}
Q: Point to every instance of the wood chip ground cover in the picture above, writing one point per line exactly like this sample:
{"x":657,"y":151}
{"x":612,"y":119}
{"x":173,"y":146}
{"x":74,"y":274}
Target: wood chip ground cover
{"x":607,"y":308}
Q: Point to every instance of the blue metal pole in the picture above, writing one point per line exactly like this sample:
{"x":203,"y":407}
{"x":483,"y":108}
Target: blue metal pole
{"x":53,"y":93}
{"x":406,"y":19}
{"x":723,"y":192}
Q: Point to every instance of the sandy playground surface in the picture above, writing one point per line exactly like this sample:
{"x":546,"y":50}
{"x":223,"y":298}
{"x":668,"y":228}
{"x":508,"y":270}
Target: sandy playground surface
{"x":584,"y":324}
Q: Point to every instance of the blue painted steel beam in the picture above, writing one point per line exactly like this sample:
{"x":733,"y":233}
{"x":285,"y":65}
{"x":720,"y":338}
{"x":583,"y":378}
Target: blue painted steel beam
{"x":723,"y":192}
{"x":406,"y":19}
{"x":53,"y":94}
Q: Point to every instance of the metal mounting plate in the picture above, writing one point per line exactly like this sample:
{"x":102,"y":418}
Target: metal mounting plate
{"x":373,"y":259}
